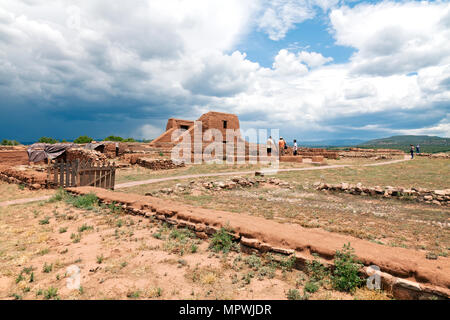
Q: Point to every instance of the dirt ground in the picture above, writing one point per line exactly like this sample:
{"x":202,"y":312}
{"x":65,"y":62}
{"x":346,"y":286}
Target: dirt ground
{"x":14,"y":191}
{"x":128,"y":257}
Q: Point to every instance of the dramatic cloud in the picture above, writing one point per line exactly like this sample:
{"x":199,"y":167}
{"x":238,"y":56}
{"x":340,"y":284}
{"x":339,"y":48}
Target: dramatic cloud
{"x":102,"y":67}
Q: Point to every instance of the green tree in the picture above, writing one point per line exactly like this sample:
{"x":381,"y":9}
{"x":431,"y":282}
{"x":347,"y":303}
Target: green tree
{"x":113,"y":138}
{"x":47,"y":140}
{"x":83,"y":139}
{"x":6,"y":142}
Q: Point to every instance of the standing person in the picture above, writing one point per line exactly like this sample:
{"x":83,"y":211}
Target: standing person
{"x":412,"y":152}
{"x":417,"y":149}
{"x":295,"y":147}
{"x":269,"y":146}
{"x":281,"y":145}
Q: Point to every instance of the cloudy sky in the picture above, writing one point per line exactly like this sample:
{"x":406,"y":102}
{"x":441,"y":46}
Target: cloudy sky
{"x":315,"y":69}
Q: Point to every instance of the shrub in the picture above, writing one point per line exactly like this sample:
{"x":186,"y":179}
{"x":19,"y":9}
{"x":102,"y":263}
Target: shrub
{"x":51,"y":293}
{"x":83,"y":202}
{"x":317,"y":270}
{"x":345,"y":275}
{"x":129,"y":140}
{"x":83,"y":139}
{"x":311,"y":287}
{"x":6,"y":142}
{"x":47,"y":140}
{"x":113,"y":138}
{"x":294,"y":294}
{"x":221,"y":241}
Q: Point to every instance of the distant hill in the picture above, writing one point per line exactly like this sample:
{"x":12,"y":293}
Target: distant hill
{"x":429,"y":144}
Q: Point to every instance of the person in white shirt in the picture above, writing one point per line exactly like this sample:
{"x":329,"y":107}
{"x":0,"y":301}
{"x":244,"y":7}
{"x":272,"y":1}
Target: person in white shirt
{"x":295,"y":147}
{"x":270,"y":143}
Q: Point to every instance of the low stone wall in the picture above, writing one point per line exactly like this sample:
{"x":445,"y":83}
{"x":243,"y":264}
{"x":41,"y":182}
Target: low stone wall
{"x":30,"y":179}
{"x":230,"y":184}
{"x":298,"y":159}
{"x":438,"y":197}
{"x":158,"y":164}
{"x":441,"y":155}
{"x":404,"y":273}
{"x":378,"y":154}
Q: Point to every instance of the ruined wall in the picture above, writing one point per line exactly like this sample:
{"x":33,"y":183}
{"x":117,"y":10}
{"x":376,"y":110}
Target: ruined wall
{"x":177,"y":123}
{"x":371,"y":153}
{"x":84,"y":155}
{"x":30,"y":178}
{"x":438,"y":197}
{"x":158,"y":164}
{"x":215,"y":120}
{"x":14,"y":157}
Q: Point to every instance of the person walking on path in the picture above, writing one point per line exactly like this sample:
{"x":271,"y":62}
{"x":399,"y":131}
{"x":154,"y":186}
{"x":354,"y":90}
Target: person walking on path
{"x":295,"y":147}
{"x":281,"y":145}
{"x":417,"y":149}
{"x":270,"y":144}
{"x":412,"y":152}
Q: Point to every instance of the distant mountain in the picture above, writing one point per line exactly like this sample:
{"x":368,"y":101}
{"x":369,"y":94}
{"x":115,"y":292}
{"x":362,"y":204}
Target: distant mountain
{"x":430,"y":144}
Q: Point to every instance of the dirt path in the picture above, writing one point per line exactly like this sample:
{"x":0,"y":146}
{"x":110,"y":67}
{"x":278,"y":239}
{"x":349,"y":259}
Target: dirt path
{"x":193,"y":176}
{"x":22,"y":201}
{"x":268,"y":171}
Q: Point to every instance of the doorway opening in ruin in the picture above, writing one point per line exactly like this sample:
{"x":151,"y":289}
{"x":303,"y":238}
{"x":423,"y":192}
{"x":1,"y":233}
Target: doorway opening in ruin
{"x":225,"y":124}
{"x":185,"y":128}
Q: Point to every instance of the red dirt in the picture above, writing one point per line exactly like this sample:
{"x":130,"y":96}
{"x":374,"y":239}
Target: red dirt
{"x":400,"y":262}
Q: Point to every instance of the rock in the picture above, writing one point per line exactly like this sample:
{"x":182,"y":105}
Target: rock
{"x":436,"y":202}
{"x":36,"y":186}
{"x":344,"y":186}
{"x":428,"y":198}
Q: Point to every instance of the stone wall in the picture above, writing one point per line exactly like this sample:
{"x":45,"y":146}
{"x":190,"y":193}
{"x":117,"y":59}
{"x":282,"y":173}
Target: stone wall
{"x":441,"y":155}
{"x":84,"y":155}
{"x":371,"y":153}
{"x":29,"y":178}
{"x":438,"y":197}
{"x":158,"y":164}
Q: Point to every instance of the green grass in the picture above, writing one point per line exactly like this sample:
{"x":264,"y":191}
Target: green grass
{"x":420,"y":172}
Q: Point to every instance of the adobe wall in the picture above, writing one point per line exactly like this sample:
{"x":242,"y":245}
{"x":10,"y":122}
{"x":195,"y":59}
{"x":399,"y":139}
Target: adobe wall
{"x":13,"y":157}
{"x":177,"y":123}
{"x":405,"y":273}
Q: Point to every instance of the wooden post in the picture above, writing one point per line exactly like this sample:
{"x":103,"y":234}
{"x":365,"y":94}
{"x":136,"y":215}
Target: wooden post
{"x":61,"y":174}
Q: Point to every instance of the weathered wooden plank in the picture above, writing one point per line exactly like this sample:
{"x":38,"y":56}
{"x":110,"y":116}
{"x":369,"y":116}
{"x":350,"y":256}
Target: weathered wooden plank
{"x":61,"y":174}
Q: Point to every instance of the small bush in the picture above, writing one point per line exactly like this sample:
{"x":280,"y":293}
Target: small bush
{"x":58,"y":196}
{"x":47,"y":268}
{"x":44,"y":221}
{"x":345,"y":276}
{"x":113,"y":138}
{"x":294,"y":294}
{"x":221,"y":241}
{"x":83,"y":139}
{"x":47,"y":140}
{"x":311,"y":287}
{"x":317,"y":270}
{"x":51,"y":293}
{"x":83,"y":202}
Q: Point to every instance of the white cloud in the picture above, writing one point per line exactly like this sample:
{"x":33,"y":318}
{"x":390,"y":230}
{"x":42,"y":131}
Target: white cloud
{"x":177,"y":57}
{"x":280,"y":16}
{"x":394,"y":37}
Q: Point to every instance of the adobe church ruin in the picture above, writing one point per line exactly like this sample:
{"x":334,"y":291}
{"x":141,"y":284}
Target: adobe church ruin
{"x":211,"y":120}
